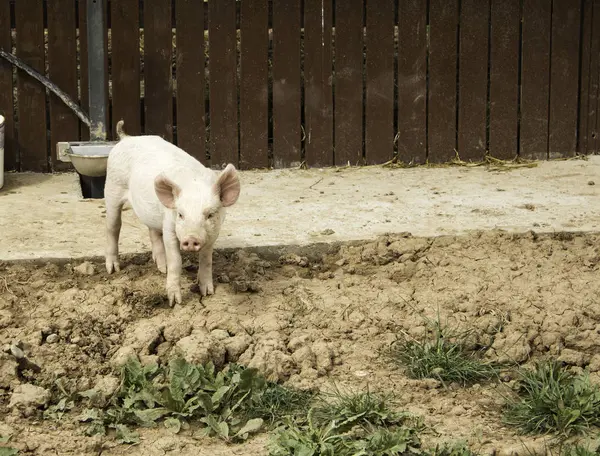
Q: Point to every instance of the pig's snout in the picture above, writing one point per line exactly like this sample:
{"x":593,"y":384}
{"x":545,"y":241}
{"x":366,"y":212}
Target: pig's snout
{"x":191,"y":244}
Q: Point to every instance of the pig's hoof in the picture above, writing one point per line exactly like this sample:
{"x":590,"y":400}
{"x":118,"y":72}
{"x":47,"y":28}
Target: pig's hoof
{"x":174,"y":295}
{"x":206,"y":288}
{"x":161,"y":264}
{"x":112,"y":265}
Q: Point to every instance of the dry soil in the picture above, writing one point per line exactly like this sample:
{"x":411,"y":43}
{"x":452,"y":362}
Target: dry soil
{"x":314,"y":317}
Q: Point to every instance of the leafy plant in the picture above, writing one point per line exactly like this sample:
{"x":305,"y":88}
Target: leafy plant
{"x":178,"y":394}
{"x":552,"y":399}
{"x":444,"y":357}
{"x":6,"y":450}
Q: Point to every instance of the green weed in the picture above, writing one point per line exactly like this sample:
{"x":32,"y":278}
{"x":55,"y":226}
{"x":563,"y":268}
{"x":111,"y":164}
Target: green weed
{"x":6,"y":450}
{"x":443,"y":356}
{"x":334,"y":439}
{"x":363,"y":408}
{"x":178,"y":394}
{"x":552,"y":399}
{"x":457,"y":449}
{"x":278,"y":402}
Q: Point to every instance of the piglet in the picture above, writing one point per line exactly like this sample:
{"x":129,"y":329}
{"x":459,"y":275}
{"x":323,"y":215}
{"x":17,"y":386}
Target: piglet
{"x":180,"y":201}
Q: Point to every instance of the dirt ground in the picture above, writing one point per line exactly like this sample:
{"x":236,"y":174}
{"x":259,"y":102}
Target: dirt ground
{"x":316,"y":317}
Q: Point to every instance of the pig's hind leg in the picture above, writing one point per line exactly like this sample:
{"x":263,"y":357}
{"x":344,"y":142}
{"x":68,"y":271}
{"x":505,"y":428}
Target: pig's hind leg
{"x":158,"y":250}
{"x":114,"y":197}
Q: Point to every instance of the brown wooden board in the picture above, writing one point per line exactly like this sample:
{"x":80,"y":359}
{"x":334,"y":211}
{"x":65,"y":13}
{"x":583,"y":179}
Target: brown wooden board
{"x":287,"y":84}
{"x":584,"y":77}
{"x":31,"y":93}
{"x":318,"y":94}
{"x":62,"y":63}
{"x":473,"y":79}
{"x":443,"y":20}
{"x":504,"y":78}
{"x":348,"y":82}
{"x":412,"y":81}
{"x":594,"y":85}
{"x":125,"y":65}
{"x":83,"y":67}
{"x":564,"y":78}
{"x":191,"y":108}
{"x":158,"y":51}
{"x":379,"y":109}
{"x":6,"y":91}
{"x":535,"y":79}
{"x":254,"y":107}
{"x":223,"y":92}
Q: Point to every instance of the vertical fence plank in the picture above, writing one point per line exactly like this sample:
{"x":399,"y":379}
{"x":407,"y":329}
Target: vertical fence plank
{"x":379,"y":115}
{"x":31,"y":93}
{"x":191,"y":114}
{"x":584,"y":77}
{"x":318,"y":95}
{"x":564,"y":78}
{"x":254,"y":108}
{"x":535,"y":78}
{"x":592,"y":114}
{"x":6,"y":90}
{"x":125,"y":65}
{"x":287,"y":83}
{"x":412,"y":81}
{"x":443,"y":20}
{"x":223,"y":98}
{"x":158,"y":88}
{"x":504,"y":78}
{"x":348,"y":82}
{"x":62,"y":60}
{"x":473,"y":79}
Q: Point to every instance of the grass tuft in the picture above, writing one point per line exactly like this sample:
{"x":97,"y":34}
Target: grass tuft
{"x":443,"y":356}
{"x":579,"y":450}
{"x":457,"y":449}
{"x":552,"y":399}
{"x":362,"y":408}
{"x":277,"y":403}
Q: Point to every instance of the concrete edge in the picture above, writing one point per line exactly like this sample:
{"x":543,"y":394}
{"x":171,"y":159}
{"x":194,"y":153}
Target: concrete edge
{"x":311,"y":251}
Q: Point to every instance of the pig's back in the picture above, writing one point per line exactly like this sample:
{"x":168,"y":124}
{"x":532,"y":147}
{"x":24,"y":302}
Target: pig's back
{"x":137,"y":160}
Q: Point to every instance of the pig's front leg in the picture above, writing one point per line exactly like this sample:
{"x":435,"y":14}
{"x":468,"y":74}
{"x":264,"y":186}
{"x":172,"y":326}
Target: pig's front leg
{"x":173,"y":265}
{"x":205,"y":277}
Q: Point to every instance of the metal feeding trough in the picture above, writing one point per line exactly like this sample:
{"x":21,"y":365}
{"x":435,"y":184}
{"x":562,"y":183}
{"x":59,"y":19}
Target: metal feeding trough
{"x":89,"y":160}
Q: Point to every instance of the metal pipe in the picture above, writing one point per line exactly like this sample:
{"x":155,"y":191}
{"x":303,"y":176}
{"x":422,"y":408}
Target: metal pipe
{"x":48,"y":84}
{"x":96,"y":70}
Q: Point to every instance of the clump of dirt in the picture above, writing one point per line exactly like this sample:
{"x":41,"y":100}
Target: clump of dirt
{"x":304,"y":319}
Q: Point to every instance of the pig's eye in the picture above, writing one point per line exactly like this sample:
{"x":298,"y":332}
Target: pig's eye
{"x":180,"y":216}
{"x":211,"y":215}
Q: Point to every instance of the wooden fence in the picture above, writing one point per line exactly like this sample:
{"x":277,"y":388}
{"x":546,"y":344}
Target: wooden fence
{"x":319,"y":82}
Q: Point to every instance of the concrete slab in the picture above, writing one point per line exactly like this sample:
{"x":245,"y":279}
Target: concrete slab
{"x":44,"y":216}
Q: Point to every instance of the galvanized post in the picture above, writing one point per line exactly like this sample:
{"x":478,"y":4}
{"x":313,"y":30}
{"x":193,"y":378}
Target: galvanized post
{"x":96,"y":70}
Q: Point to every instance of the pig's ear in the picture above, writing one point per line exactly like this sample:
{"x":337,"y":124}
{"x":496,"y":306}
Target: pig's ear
{"x":166,"y":190}
{"x":228,"y":186}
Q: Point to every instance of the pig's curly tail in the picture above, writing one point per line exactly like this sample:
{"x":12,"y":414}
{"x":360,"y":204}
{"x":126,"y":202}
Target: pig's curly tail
{"x":120,"y":132}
